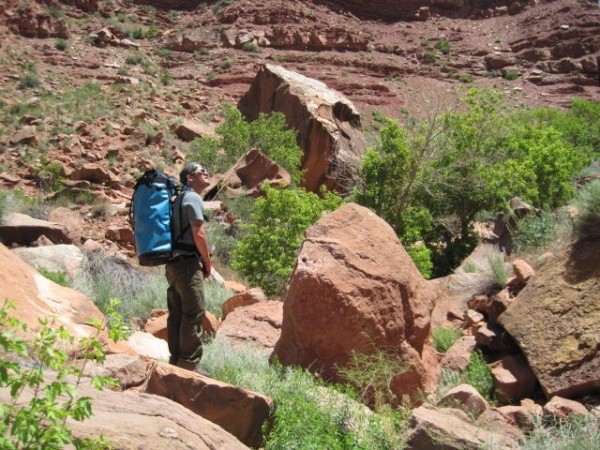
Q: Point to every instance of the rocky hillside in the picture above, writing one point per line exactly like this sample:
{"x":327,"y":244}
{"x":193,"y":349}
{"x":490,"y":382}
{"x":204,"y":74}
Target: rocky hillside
{"x":99,"y":86}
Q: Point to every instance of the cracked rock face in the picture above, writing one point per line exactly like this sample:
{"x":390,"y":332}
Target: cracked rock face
{"x":328,"y":124}
{"x":355,"y":288}
{"x":556,"y":322}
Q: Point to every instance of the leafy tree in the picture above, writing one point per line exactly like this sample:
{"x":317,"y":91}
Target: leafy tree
{"x":268,"y":133}
{"x":429,"y":178}
{"x":266,"y":253}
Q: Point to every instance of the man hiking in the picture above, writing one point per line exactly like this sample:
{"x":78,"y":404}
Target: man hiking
{"x":187,"y":269}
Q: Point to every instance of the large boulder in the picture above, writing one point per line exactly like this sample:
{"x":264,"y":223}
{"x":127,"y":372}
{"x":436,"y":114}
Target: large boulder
{"x":328,"y":124}
{"x":248,"y":174}
{"x":53,"y":258}
{"x":237,"y":410}
{"x":555,"y":320}
{"x":354,"y":288}
{"x":132,"y":420}
{"x":21,"y":229}
{"x":36,"y":296}
{"x":430,"y":428}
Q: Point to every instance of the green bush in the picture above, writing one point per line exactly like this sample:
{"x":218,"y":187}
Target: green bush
{"x":444,"y":338}
{"x":269,"y":134}
{"x":587,"y":222}
{"x":443,"y":46}
{"x":534,"y":232}
{"x":510,"y":75}
{"x":479,"y":375}
{"x":421,"y":256}
{"x":133,"y":60}
{"x":41,"y":422}
{"x":250,"y":47}
{"x":266,"y":253}
{"x":61,"y":44}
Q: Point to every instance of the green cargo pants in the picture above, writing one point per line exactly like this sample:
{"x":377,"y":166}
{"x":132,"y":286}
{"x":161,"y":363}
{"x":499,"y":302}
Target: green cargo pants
{"x":185,"y":300}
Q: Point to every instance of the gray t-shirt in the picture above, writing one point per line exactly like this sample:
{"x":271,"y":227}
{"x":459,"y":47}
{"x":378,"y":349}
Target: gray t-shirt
{"x":187,"y":208}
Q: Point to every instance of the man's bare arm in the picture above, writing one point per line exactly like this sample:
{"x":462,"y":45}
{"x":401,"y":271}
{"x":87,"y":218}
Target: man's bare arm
{"x":199,"y":234}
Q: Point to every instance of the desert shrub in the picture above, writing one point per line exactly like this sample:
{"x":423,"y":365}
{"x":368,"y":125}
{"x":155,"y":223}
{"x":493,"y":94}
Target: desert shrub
{"x":510,"y":75}
{"x":443,"y":338}
{"x":534,"y":232}
{"x":587,"y":222}
{"x":499,"y":271}
{"x":61,"y":278}
{"x":429,"y":56}
{"x":61,"y":44}
{"x":29,"y":81}
{"x":371,"y":375}
{"x":41,"y":422}
{"x":250,"y":47}
{"x":443,"y":46}
{"x":304,"y":405}
{"x":134,"y":60}
{"x":103,"y":277}
{"x":266,"y":253}
{"x":577,"y":432}
{"x":479,"y":375}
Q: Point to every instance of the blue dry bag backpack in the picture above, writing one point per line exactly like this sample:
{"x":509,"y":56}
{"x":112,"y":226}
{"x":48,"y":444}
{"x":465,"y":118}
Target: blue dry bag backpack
{"x":151,"y":213}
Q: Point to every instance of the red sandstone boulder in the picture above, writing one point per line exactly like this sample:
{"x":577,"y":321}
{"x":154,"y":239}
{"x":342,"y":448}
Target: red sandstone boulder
{"x":37,"y":296}
{"x":246,"y":298}
{"x":355,"y":289}
{"x":258,"y":325}
{"x":328,"y":124}
{"x":249,"y":173}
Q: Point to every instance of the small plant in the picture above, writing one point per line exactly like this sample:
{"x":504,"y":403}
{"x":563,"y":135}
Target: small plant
{"x":165,"y":78}
{"x":443,"y":46}
{"x":499,"y":270}
{"x":465,"y":79}
{"x":371,"y":374}
{"x":444,"y":338}
{"x":226,"y":64}
{"x":250,"y":47}
{"x":510,"y":75}
{"x":429,"y":56}
{"x":133,"y":60}
{"x":494,"y":73}
{"x":479,"y":375}
{"x":29,"y":81}
{"x":587,"y":222}
{"x":425,"y":43}
{"x":41,"y":422}
{"x":534,"y":232}
{"x":61,"y":44}
{"x":60,"y":278}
